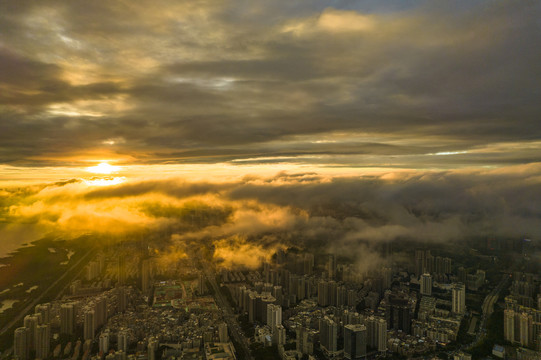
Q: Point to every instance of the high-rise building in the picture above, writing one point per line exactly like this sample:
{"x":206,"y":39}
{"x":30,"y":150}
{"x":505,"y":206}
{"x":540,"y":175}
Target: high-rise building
{"x":526,"y":330}
{"x":152,"y":348}
{"x":442,"y":265}
{"x":459,"y":298}
{"x":305,"y":340}
{"x":387,"y":276}
{"x":201,"y":285}
{"x":398,"y":313}
{"x":284,"y":278}
{"x":376,"y":333}
{"x":447,"y":265}
{"x":278,"y":294}
{"x":426,"y":284}
{"x":424,"y":262}
{"x":328,"y":334}
{"x":252,"y":306}
{"x":381,"y":331}
{"x":67,"y":318}
{"x":31,"y":322}
{"x":263,"y":301}
{"x":323,"y":293}
{"x":352,"y":298}
{"x":45,"y":311}
{"x":509,"y":325}
{"x":20,"y":343}
{"x":274,"y":316}
{"x":89,"y":329}
{"x":293,"y":284}
{"x":354,"y":341}
{"x":43,"y":341}
{"x":222,"y":333}
{"x":371,"y":333}
{"x":420,"y":262}
{"x":120,"y":355}
{"x":104,"y":343}
{"x":301,"y":288}
{"x":522,"y":325}
{"x":122,"y":299}
{"x":341,"y":295}
{"x":273,"y":277}
{"x":429,"y":262}
{"x":475,"y":281}
{"x":279,"y":335}
{"x":100,"y":312}
{"x":122,"y":340}
{"x":331,"y":266}
{"x":308,"y":264}
{"x":92,"y":270}
{"x":462,"y":275}
{"x":241,"y":295}
{"x":333,"y":286}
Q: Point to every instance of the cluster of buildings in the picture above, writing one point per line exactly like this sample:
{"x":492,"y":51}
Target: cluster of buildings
{"x":325,"y":312}
{"x":34,"y":336}
{"x":68,"y":318}
{"x":522,"y":314}
{"x":119,"y":310}
{"x":130,"y":308}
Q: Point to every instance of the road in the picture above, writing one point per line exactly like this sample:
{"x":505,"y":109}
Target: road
{"x":488,"y":309}
{"x":37,"y":300}
{"x":229,"y":316}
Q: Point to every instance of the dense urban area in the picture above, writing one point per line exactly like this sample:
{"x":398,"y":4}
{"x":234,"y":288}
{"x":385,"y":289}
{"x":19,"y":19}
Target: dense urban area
{"x":135,"y":300}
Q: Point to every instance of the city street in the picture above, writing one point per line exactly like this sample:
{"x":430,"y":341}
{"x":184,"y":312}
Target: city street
{"x":229,"y":316}
{"x":488,"y":309}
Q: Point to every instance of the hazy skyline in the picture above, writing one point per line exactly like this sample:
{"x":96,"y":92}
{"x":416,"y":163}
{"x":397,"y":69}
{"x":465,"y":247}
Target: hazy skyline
{"x":345,"y":121}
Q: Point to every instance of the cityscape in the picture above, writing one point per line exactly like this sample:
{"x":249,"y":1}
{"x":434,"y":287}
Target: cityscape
{"x":270,"y":180}
{"x":123,"y":302}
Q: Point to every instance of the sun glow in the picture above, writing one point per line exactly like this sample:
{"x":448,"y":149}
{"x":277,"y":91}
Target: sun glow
{"x":103,"y":168}
{"x":104,"y":181}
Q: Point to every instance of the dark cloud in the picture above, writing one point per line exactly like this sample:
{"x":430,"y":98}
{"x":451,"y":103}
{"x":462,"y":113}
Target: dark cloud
{"x":219,"y":81}
{"x":174,"y":188}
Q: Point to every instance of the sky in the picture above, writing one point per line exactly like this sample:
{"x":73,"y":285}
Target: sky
{"x":433,"y":98}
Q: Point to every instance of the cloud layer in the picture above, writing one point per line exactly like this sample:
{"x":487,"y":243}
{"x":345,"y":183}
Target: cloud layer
{"x":246,"y":219}
{"x":369,"y":84}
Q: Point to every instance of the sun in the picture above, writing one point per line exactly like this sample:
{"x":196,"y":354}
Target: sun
{"x":103,"y":168}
